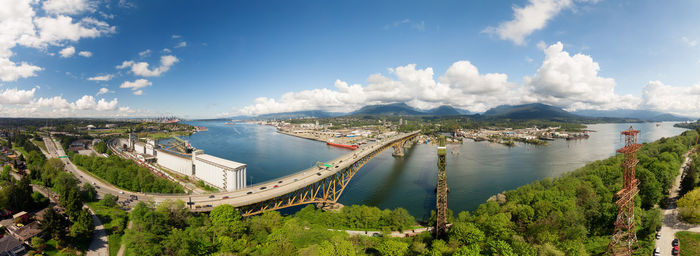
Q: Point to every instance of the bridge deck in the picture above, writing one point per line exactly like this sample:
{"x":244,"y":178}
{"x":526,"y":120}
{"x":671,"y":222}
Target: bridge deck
{"x":290,"y":183}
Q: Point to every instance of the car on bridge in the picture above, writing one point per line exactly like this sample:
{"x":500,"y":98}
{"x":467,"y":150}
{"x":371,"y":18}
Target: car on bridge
{"x":249,"y":192}
{"x":224,"y":197}
{"x":211,"y":196}
{"x":263,"y":188}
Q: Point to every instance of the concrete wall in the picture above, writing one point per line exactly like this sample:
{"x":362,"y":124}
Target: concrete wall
{"x":228,"y":179}
{"x":140,"y":148}
{"x":173,"y":162}
{"x":149,"y":150}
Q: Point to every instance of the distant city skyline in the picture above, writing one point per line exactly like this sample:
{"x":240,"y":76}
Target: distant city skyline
{"x":193,"y":59}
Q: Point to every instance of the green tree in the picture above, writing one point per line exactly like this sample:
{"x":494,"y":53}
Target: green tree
{"x":109,"y":200}
{"x":689,"y":206}
{"x":5,"y":176}
{"x":89,"y":193}
{"x":336,"y":246}
{"x":54,"y":225}
{"x":226,"y":221}
{"x":466,"y":233}
{"x":82,"y":227}
{"x":500,"y":248}
{"x":392,"y":247}
{"x":468,"y":250}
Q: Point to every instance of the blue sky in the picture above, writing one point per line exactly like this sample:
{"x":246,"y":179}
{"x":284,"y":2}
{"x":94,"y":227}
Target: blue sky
{"x":224,"y":58}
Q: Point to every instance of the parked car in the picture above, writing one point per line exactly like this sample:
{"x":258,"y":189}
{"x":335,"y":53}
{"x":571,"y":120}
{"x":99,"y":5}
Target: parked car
{"x":658,"y":228}
{"x":675,"y":242}
{"x":212,"y":196}
{"x":657,"y":252}
{"x":658,"y":236}
{"x":675,"y":250}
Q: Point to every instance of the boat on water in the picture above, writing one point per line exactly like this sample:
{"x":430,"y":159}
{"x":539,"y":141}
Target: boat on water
{"x":545,"y":138}
{"x":229,"y":123}
{"x":342,"y":145}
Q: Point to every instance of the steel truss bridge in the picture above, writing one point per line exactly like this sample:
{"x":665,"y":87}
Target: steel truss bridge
{"x":316,"y":185}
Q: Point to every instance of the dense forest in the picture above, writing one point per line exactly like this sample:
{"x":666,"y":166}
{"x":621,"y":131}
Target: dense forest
{"x":569,"y":215}
{"x":126,"y":174}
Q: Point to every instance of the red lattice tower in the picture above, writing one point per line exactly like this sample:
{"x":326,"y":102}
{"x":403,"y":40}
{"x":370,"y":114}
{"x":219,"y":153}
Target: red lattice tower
{"x":625,"y":235}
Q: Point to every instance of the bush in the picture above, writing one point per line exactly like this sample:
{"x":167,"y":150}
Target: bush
{"x":689,"y":206}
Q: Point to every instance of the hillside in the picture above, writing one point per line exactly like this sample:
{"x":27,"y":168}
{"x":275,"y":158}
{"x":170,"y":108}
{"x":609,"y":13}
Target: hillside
{"x":528,"y":111}
{"x":444,"y":110}
{"x":395,"y":109}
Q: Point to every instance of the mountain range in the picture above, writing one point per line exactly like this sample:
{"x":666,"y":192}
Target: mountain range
{"x":524,"y":111}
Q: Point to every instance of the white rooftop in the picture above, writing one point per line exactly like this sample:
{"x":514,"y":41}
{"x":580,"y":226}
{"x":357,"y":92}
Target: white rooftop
{"x":221,"y":161}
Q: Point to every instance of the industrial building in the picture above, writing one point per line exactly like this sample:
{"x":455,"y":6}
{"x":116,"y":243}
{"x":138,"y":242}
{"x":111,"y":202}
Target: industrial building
{"x":218,"y":172}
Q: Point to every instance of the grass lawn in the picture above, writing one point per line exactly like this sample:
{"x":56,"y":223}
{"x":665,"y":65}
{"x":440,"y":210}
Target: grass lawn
{"x":690,"y":243}
{"x":40,"y":144}
{"x":110,"y":218}
{"x":51,"y":250}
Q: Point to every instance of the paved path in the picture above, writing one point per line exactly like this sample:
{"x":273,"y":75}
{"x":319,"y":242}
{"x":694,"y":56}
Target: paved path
{"x":123,"y":245}
{"x":671,"y":220}
{"x":99,"y":246}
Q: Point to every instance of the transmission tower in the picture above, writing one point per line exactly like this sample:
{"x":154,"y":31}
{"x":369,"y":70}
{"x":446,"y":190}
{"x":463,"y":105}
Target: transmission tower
{"x":625,"y":235}
{"x":441,"y":223}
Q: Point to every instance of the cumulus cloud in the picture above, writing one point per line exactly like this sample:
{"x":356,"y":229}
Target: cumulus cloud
{"x":67,"y":6}
{"x":573,"y":82}
{"x":67,"y":52}
{"x":85,"y":54}
{"x":15,"y":96}
{"x":564,"y":80}
{"x":136,"y":85}
{"x":102,"y":78}
{"x":102,"y":90}
{"x":461,"y":86}
{"x":142,"y":68}
{"x":20,"y":25}
{"x":527,"y":19}
{"x":675,"y":99}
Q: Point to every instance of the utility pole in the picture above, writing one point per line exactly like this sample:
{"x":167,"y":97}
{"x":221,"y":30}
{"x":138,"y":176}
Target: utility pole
{"x":625,"y":235}
{"x":441,"y":214}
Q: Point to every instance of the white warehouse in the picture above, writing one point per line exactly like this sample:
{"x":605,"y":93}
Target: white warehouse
{"x":220,"y":172}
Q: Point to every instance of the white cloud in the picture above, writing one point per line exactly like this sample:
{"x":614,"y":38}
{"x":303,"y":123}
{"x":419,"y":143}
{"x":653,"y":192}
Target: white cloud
{"x":103,"y":105}
{"x":56,"y":102}
{"x":85,"y":54}
{"x":691,"y":43}
{"x":102,"y":90}
{"x":20,"y":25}
{"x":138,"y":92}
{"x":181,"y":44}
{"x":15,"y":96}
{"x":573,"y":82}
{"x":461,"y":86}
{"x":141,"y":68}
{"x":674,"y":99}
{"x":67,"y":6}
{"x":85,"y":103}
{"x":166,"y":50}
{"x":136,"y":85}
{"x":534,"y":16}
{"x":145,"y":53}
{"x":176,"y":36}
{"x":101,"y":78}
{"x":67,"y":52}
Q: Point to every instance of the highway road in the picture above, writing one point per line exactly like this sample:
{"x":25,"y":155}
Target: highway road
{"x":250,"y":195}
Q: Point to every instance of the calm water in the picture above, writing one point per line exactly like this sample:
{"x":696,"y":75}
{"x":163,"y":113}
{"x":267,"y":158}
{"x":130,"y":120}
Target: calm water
{"x":475,"y":171}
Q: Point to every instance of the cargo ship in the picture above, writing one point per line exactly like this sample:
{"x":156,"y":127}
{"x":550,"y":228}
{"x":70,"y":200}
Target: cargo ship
{"x":342,"y":145}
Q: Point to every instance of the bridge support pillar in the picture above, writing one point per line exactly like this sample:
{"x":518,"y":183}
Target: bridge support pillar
{"x":398,"y":149}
